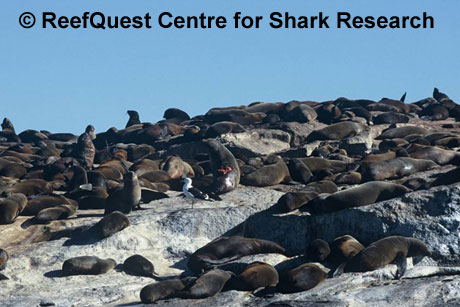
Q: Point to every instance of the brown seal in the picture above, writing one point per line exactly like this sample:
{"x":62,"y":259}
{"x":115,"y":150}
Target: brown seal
{"x":226,"y":249}
{"x":344,"y":248}
{"x":396,"y":168}
{"x":156,"y":176}
{"x":401,"y":132}
{"x":318,"y":250}
{"x":163,"y":289}
{"x":362,"y":195}
{"x":220,"y":128}
{"x":125,"y":197}
{"x":139,"y":266}
{"x":301,"y":278}
{"x":84,"y":151}
{"x":294,"y":200}
{"x":133,"y":118}
{"x":176,"y":167}
{"x":299,"y":171}
{"x":256,"y":275}
{"x":109,"y":225}
{"x":268,"y":175}
{"x":32,"y":187}
{"x":446,"y":178}
{"x":232,"y":115}
{"x":337,"y":131}
{"x":316,"y":164}
{"x":390,"y":118}
{"x":224,"y":167}
{"x":11,"y":207}
{"x":207,"y":285}
{"x":35,"y":204}
{"x":385,"y":251}
{"x":145,"y":166}
{"x":435,"y":154}
{"x":87,"y":265}
{"x":55,"y":213}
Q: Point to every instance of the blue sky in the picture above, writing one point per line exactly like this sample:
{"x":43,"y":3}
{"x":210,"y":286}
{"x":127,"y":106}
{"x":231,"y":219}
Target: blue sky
{"x":63,"y":79}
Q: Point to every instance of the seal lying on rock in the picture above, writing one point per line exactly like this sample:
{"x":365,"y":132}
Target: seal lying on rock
{"x":337,"y":131}
{"x":226,"y":249}
{"x":87,"y":265}
{"x":207,"y":285}
{"x":256,"y":275}
{"x":11,"y":207}
{"x":301,"y":278}
{"x":385,"y":251}
{"x":362,"y":195}
{"x":163,"y":289}
{"x":139,"y":266}
{"x":268,"y":175}
{"x":396,"y":168}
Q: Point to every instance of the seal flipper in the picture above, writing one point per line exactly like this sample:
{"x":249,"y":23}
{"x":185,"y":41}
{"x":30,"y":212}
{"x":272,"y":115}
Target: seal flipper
{"x":401,"y":262}
{"x":3,"y":277}
{"x":266,"y":292}
{"x":340,"y":269}
{"x":403,"y":97}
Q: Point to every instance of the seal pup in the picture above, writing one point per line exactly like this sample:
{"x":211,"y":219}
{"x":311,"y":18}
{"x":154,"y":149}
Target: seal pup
{"x":87,"y":265}
{"x":139,"y":266}
{"x":125,"y":197}
{"x":224,"y":167}
{"x":226,"y":249}
{"x":385,"y":251}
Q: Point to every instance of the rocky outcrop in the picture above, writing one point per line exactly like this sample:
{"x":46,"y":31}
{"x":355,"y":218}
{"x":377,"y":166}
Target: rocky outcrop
{"x":168,"y":230}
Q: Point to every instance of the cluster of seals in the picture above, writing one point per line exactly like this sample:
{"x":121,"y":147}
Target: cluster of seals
{"x":347,"y":254}
{"x":343,"y":154}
